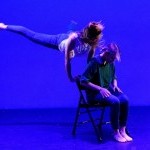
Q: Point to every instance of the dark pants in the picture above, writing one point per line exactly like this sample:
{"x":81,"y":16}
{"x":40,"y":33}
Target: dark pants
{"x":118,"y":108}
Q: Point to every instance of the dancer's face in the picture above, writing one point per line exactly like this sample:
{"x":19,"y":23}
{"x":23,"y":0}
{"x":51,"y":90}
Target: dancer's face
{"x":109,"y":57}
{"x":93,"y":40}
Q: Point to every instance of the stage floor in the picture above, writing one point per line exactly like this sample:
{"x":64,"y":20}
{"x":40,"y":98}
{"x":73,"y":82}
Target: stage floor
{"x":50,"y":129}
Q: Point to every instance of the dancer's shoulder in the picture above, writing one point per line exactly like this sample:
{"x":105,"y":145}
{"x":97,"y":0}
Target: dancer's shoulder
{"x":73,"y":35}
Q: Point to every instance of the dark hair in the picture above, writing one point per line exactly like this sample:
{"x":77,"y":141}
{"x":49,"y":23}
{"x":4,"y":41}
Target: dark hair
{"x":113,"y":49}
{"x":92,"y":32}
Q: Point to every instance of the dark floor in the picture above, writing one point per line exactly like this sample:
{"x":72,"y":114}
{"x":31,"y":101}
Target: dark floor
{"x":50,"y":129}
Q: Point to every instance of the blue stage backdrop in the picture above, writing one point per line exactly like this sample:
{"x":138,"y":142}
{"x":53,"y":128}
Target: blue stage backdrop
{"x":33,"y":76}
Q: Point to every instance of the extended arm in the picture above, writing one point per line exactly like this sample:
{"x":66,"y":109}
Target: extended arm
{"x":91,"y":53}
{"x":40,"y":38}
{"x":69,"y":48}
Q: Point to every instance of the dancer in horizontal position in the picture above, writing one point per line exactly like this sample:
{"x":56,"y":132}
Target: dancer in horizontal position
{"x":72,"y":44}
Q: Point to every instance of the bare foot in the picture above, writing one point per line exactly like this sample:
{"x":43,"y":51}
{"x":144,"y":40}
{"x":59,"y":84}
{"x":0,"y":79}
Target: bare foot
{"x":119,"y":138}
{"x":127,"y":137}
{"x":3,"y":26}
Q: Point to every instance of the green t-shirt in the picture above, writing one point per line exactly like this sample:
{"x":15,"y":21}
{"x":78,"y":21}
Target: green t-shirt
{"x":98,"y":73}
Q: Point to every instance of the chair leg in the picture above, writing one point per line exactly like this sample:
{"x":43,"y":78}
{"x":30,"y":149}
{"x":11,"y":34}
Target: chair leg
{"x":101,"y":117}
{"x":94,"y":125}
{"x":101,"y":120}
{"x":76,"y":120}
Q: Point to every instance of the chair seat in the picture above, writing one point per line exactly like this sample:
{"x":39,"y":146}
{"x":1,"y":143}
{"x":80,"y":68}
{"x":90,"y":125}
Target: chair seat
{"x":92,"y":105}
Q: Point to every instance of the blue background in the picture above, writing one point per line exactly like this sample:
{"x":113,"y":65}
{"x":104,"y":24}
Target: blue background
{"x":33,"y":76}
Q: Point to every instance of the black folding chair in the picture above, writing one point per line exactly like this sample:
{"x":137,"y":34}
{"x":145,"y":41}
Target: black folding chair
{"x":87,"y":108}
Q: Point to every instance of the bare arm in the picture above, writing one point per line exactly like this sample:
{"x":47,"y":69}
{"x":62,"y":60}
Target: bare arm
{"x":91,"y":54}
{"x":68,"y":67}
{"x":115,"y":86}
{"x":91,"y":86}
{"x":104,"y":92}
{"x":69,"y":48}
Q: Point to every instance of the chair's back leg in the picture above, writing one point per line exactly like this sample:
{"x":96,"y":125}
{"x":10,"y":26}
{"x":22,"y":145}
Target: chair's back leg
{"x":76,"y":118}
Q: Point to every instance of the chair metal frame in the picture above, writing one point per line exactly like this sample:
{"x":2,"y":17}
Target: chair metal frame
{"x":88,"y":108}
